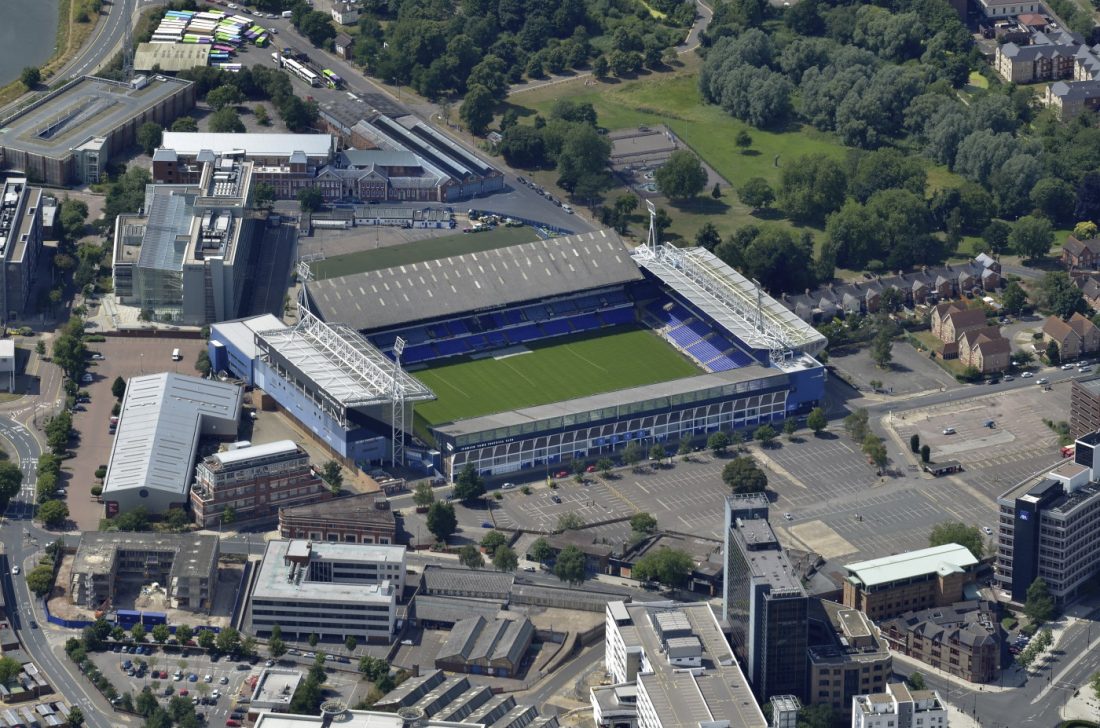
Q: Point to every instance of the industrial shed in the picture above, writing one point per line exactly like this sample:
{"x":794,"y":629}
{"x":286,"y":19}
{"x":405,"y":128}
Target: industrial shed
{"x":481,"y":646}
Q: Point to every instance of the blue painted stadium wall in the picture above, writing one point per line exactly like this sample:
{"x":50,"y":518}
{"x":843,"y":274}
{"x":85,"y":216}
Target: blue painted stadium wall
{"x":807,"y":389}
{"x":224,"y":356}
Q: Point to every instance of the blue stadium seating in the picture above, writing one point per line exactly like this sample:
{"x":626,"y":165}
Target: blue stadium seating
{"x":513,"y":316}
{"x":384,"y":341}
{"x":740,"y":358}
{"x":615,"y":316}
{"x":458,"y":327}
{"x":555,"y":327}
{"x":585,"y":322}
{"x":699,"y":327}
{"x":452,"y":347}
{"x":703,"y":351}
{"x":521,"y":334}
{"x":536,"y":313}
{"x":683,"y":337}
{"x":561,"y":307}
{"x":721,"y":364}
{"x":496,"y":339}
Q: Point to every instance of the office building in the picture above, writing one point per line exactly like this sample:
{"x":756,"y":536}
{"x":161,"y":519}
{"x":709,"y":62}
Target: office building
{"x":901,"y":707}
{"x":334,"y":591}
{"x":1047,"y":528}
{"x":961,"y":639}
{"x":1084,"y":406}
{"x":763,"y":601}
{"x":71,"y":134}
{"x":683,"y":670}
{"x":358,"y":518}
{"x":891,"y":585}
{"x":20,"y":244}
{"x":254,"y":482}
{"x":185,"y":565}
{"x":185,"y":256}
{"x":847,"y":657}
{"x":162,"y":420}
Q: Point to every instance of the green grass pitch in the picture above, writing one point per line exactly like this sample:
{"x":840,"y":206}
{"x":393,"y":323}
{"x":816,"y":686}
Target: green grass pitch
{"x":552,"y":372}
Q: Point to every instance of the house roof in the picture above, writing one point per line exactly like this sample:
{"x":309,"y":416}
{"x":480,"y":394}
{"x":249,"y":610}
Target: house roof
{"x":343,"y":40}
{"x":977,"y":336}
{"x":1075,"y":246}
{"x":966,"y":318}
{"x":1081,"y":324}
{"x":1057,"y":329}
{"x":989,"y":345}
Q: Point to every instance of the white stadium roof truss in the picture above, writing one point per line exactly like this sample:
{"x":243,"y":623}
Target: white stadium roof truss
{"x":342,"y":363}
{"x":731,"y":299}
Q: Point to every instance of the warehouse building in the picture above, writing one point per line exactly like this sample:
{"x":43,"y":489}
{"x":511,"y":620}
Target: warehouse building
{"x":254,"y":482}
{"x":334,"y":591}
{"x":70,"y":135}
{"x":185,"y":564}
{"x":162,"y":419}
{"x":20,"y":244}
{"x":491,"y":647}
{"x":185,"y":256}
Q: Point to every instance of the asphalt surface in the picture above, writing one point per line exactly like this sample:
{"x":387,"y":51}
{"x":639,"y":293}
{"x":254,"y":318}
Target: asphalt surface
{"x":101,"y":45}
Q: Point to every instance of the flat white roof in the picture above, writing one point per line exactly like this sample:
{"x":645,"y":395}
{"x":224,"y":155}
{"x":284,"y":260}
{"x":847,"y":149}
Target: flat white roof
{"x":190,"y":143}
{"x":241,"y":334}
{"x":159,"y":428}
{"x":7,"y":348}
{"x":256,"y":451}
{"x":943,"y":560}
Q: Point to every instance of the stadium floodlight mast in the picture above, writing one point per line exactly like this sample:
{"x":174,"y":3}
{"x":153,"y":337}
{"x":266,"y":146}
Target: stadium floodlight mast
{"x":397,"y":412}
{"x":652,"y":242}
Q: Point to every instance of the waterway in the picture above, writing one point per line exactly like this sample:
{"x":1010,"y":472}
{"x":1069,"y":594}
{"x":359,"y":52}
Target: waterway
{"x":28,"y":34}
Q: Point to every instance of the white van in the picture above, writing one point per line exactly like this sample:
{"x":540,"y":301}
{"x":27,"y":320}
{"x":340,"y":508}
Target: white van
{"x":176,"y":355}
{"x":287,"y":14}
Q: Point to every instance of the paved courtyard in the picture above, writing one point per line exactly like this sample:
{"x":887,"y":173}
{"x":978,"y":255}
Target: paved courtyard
{"x":909,"y":372}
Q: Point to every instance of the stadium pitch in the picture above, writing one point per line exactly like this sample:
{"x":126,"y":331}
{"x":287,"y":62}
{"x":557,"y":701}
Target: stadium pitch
{"x":553,"y":371}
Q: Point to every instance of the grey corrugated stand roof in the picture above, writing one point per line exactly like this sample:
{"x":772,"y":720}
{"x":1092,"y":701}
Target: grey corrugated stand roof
{"x":450,"y":286}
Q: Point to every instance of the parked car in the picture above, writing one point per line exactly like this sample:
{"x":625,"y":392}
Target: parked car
{"x":556,"y":498}
{"x":508,"y":486}
{"x":987,"y":530}
{"x":1026,"y":375}
{"x":87,"y":379}
{"x":1042,"y":381}
{"x":949,"y":430}
{"x":15,"y":571}
{"x":1067,"y":367}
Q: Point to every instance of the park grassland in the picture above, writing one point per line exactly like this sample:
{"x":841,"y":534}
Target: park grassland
{"x":552,"y":372}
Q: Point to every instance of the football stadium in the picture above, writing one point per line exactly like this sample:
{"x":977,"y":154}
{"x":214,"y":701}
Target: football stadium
{"x":569,"y":348}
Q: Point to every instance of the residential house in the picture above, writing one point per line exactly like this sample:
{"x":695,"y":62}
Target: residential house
{"x":1072,"y":98}
{"x":1081,"y":253}
{"x":1074,"y":337}
{"x":952,"y":320}
{"x":1090,"y":288}
{"x":985,"y":350}
{"x":343,"y":45}
{"x":1036,"y":62}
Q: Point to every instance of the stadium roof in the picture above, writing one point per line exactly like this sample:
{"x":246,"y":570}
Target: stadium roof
{"x":241,"y":334}
{"x":190,"y":143}
{"x":450,"y":286}
{"x":741,"y":377}
{"x":950,"y":558}
{"x":729,"y":298}
{"x":171,"y":57}
{"x":341,"y":362}
{"x":159,"y":428}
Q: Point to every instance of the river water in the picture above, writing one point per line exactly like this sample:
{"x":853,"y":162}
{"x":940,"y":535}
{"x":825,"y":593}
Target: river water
{"x":28,"y":33}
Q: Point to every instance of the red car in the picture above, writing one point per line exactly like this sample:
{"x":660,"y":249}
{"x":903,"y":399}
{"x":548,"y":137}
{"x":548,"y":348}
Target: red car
{"x":562,"y":474}
{"x":183,"y":693}
{"x":590,"y":469}
{"x":232,"y":722}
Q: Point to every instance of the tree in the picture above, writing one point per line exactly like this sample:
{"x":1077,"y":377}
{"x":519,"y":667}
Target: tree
{"x":1084,"y":230}
{"x":600,"y":66}
{"x":523,"y":146}
{"x":262,"y":117}
{"x":469,"y":486}
{"x":570,"y":521}
{"x":442,"y":521}
{"x":76,"y":717}
{"x":137,"y":632}
{"x":1014,"y":298}
{"x":1054,"y":198}
{"x":1094,"y":685}
{"x":582,"y":161}
{"x":682,"y":176}
{"x":765,"y":435}
{"x":743,"y":475}
{"x":959,"y":533}
{"x":643,"y":523}
{"x":423,"y":495}
{"x":505,"y":559}
{"x":228,"y":640}
{"x":632,"y":453}
{"x":276,"y":648}
{"x":11,"y":481}
{"x":492,"y":541}
{"x":184,"y":633}
{"x":756,"y":193}
{"x":202,"y":363}
{"x":657,"y":452}
{"x":789,"y":428}
{"x":995,"y":236}
{"x":226,"y":120}
{"x":373,"y":668}
{"x":224,"y":96}
{"x":915,"y":681}
{"x":914,"y":442}
{"x":40,"y":580}
{"x":743,"y":140}
{"x":881,"y":349}
{"x":149,"y":136}
{"x":263,"y":195}
{"x":1039,"y":606}
{"x":333,"y":475}
{"x":310,"y":199}
{"x":1057,"y":294}
{"x":718,"y":442}
{"x":118,"y":387}
{"x":817,"y":420}
{"x":668,"y":566}
{"x":350,"y":643}
{"x":812,"y":187}
{"x":53,"y":513}
{"x":470,"y":556}
{"x":1031,"y":237}
{"x":925,"y":453}
{"x":1054,"y":355}
{"x":477,"y":109}
{"x":161,"y":633}
{"x":570,"y":565}
{"x":541,"y":551}
{"x":185,"y":123}
{"x":30,"y":77}
{"x":856,"y":425}
{"x":875,"y":450}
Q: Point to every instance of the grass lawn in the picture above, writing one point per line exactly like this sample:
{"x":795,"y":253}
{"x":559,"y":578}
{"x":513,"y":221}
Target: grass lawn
{"x":931,"y":343}
{"x":429,"y":249}
{"x":552,"y":372}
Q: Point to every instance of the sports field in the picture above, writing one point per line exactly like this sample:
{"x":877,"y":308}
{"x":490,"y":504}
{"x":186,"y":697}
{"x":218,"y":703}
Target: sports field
{"x":556,"y":371}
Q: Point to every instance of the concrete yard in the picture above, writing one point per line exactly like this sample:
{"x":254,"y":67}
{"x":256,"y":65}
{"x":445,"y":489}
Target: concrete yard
{"x":909,"y":372}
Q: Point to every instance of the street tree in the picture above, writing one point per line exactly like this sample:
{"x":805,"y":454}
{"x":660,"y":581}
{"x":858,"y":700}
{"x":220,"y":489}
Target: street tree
{"x":632,"y":453}
{"x":657,"y":453}
{"x":915,"y":681}
{"x":30,"y":77}
{"x":925,"y":453}
{"x":53,"y":513}
{"x":161,"y":633}
{"x":882,"y":349}
{"x":604,"y":465}
{"x":570,"y":565}
{"x":765,"y":435}
{"x":477,"y":109}
{"x":492,"y":541}
{"x":718,"y":442}
{"x":1014,"y":298}
{"x":310,"y":199}
{"x":669,"y":566}
{"x":505,"y":559}
{"x":442,"y":521}
{"x":960,"y":533}
{"x":149,"y":136}
{"x":470,"y":556}
{"x":423,"y":495}
{"x":817,"y":420}
{"x":1039,"y":605}
{"x":1031,"y":237}
{"x":1054,"y":354}
{"x":333,"y":475}
{"x":469,"y":486}
{"x":118,"y":387}
{"x":743,"y":475}
{"x":226,"y":120}
{"x":789,"y":428}
{"x":875,"y":450}
{"x":40,"y":580}
{"x":857,"y":425}
{"x":914,"y":443}
{"x":643,"y":523}
{"x":350,"y":643}
{"x":541,"y":551}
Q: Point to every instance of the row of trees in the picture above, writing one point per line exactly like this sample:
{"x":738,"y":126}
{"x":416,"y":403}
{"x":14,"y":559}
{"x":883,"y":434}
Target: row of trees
{"x":254,"y":83}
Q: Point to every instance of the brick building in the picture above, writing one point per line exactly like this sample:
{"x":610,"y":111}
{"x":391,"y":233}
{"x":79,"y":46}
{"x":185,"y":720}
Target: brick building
{"x":893,"y":585}
{"x":962,"y":639}
{"x":255,"y":482}
{"x":361,"y":518}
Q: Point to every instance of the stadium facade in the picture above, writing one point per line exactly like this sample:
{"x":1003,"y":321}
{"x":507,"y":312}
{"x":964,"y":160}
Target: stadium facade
{"x":756,"y":358}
